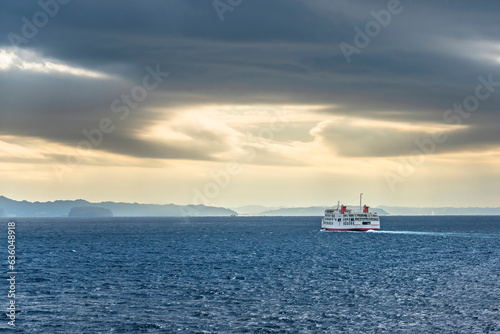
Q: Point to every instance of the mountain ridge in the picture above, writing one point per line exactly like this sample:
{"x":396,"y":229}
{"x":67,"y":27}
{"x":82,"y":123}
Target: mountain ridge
{"x":441,"y":211}
{"x":312,"y":211}
{"x":59,"y":208}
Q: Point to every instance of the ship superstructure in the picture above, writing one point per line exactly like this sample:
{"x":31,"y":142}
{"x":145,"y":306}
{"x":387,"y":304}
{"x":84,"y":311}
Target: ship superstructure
{"x":343,"y":219}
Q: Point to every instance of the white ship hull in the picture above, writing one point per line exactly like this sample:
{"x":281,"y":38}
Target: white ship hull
{"x":360,"y":228}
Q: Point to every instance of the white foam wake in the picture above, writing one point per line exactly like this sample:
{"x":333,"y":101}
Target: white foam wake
{"x":439,"y":234}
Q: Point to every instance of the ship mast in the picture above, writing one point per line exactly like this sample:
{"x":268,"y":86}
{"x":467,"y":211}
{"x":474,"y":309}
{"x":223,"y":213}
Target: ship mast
{"x":360,"y":202}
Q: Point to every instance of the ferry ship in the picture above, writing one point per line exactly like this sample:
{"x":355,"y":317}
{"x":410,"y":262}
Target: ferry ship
{"x":343,"y":219}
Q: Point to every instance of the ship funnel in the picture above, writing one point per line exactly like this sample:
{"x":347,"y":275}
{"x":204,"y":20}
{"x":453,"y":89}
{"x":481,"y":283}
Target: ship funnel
{"x":365,"y":209}
{"x":343,"y":209}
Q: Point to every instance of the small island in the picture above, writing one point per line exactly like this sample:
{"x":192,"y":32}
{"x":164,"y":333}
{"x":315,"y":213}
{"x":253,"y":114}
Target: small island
{"x":89,"y":211}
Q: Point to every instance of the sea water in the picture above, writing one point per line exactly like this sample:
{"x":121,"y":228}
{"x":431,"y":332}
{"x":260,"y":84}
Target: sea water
{"x":254,"y":275}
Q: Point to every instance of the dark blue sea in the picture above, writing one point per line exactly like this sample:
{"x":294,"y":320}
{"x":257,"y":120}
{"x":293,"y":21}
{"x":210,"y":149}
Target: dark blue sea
{"x":254,"y":275}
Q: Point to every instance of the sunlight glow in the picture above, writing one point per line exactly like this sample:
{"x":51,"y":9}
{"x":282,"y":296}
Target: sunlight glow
{"x":30,"y":61}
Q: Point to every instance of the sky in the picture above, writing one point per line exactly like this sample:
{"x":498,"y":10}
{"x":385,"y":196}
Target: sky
{"x":239,"y":102}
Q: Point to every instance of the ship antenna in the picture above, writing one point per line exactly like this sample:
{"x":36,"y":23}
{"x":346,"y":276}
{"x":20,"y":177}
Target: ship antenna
{"x":360,"y":201}
{"x":338,"y":205}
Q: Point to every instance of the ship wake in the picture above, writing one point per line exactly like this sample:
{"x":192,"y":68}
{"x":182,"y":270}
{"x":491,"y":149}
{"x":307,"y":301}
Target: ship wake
{"x":439,"y":234}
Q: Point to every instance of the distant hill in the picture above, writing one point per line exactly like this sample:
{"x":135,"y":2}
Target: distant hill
{"x":312,"y":211}
{"x":384,"y":211}
{"x":406,"y":211}
{"x":12,"y":208}
{"x":253,"y":209}
{"x":89,"y":211}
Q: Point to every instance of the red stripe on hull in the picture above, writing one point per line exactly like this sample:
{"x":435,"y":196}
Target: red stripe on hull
{"x":350,"y":229}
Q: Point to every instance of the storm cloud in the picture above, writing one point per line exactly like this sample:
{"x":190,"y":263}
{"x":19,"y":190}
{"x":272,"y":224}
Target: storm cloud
{"x":264,"y":52}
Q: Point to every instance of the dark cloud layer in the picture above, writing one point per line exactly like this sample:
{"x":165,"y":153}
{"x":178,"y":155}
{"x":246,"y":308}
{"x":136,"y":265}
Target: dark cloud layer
{"x":424,"y":61}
